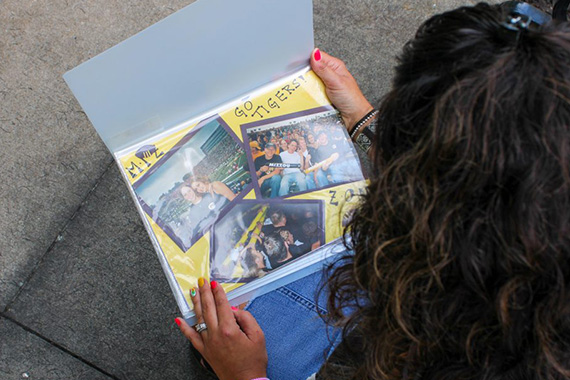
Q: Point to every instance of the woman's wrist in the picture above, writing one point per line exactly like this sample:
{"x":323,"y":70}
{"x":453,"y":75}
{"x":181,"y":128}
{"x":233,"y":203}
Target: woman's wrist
{"x":359,"y":126}
{"x":363,"y":133}
{"x":259,"y":374}
{"x":253,"y":374}
{"x":353,"y":118}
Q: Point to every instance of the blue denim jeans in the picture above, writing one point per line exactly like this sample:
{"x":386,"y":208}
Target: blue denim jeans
{"x":297,"y":339}
{"x":289,"y":179}
{"x":344,"y":171}
{"x":274,"y":183}
{"x":321,"y":179}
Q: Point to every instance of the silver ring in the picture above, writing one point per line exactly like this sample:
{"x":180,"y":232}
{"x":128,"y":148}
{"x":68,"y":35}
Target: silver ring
{"x":199,"y":327}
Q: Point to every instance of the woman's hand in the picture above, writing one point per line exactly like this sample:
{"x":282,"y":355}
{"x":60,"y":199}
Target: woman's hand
{"x":233,"y":343}
{"x":341,"y":87}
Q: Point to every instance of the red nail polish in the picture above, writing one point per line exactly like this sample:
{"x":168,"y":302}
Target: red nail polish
{"x":177,"y":321}
{"x":234,"y":308}
{"x":213,"y":284}
{"x":317,"y":55}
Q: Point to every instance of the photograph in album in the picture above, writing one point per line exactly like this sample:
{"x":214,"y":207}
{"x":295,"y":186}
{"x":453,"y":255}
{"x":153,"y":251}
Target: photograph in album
{"x":195,"y":181}
{"x":256,"y":238}
{"x":302,"y":152}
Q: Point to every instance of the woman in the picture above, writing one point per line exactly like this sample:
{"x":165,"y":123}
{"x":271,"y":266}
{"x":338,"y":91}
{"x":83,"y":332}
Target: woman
{"x":283,"y":145}
{"x":254,"y":263}
{"x":312,"y":142}
{"x":312,"y":179}
{"x":461,"y":266}
{"x":205,"y":208}
{"x":203,"y":186}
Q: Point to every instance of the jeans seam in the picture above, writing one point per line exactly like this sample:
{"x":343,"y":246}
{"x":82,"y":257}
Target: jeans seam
{"x":301,"y":300}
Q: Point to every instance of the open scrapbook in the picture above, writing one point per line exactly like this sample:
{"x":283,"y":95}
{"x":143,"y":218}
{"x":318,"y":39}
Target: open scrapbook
{"x":250,"y":184}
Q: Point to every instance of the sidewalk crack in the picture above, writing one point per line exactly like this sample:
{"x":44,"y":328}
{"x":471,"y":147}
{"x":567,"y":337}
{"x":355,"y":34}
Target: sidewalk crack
{"x":57,"y":239}
{"x":58,"y":346}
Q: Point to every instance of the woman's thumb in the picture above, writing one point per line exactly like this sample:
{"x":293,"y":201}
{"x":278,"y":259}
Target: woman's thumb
{"x":320,"y":63}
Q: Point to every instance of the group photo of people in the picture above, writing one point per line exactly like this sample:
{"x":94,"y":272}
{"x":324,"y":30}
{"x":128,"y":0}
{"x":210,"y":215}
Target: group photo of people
{"x":187,"y":192}
{"x":302,"y":154}
{"x":255,"y":238}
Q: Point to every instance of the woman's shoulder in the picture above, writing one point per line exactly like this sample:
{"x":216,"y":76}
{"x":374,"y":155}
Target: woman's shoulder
{"x":218,"y":186}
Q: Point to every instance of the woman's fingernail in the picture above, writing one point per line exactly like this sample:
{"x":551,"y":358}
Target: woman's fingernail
{"x":193,"y":292}
{"x":234,"y":308}
{"x":177,"y":321}
{"x":213,"y":284}
{"x":201,"y":281}
{"x":317,"y":55}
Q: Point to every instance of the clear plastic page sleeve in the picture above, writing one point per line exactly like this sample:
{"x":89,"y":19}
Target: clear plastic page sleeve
{"x":251,"y":194}
{"x":239,"y":166}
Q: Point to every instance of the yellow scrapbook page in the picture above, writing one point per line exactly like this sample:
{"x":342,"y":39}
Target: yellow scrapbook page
{"x":248,"y":191}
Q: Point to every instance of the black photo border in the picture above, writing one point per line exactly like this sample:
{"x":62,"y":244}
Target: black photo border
{"x":284,"y":204}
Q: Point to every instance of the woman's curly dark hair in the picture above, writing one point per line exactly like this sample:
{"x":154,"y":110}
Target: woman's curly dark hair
{"x":461,"y":263}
